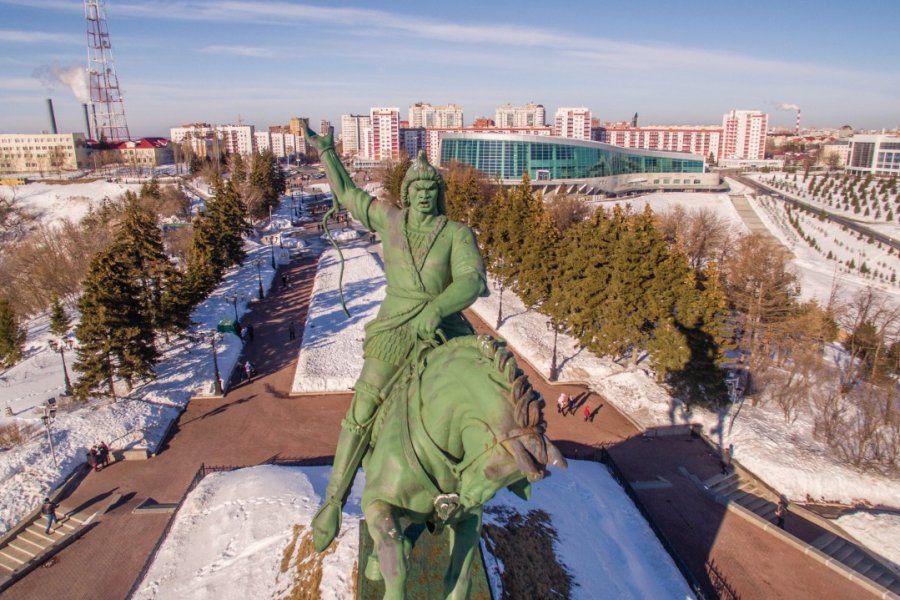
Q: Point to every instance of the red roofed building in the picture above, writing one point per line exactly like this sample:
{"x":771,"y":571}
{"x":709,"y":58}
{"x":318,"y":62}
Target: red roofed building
{"x":143,"y":152}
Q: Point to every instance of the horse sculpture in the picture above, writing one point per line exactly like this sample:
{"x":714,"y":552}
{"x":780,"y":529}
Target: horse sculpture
{"x":460,"y":423}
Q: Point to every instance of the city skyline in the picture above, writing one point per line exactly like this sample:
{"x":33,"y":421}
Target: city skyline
{"x":264,"y":62}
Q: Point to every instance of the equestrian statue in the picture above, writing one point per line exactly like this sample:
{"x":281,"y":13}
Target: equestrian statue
{"x":441,"y":419}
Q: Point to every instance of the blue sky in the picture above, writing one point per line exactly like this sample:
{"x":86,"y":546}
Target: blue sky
{"x":264,"y":62}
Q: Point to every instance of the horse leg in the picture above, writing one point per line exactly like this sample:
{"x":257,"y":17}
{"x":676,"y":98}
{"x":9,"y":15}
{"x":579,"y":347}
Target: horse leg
{"x":464,"y":539}
{"x":393,"y":553}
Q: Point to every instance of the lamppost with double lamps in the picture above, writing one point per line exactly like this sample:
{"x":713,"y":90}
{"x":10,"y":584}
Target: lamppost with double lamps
{"x":217,"y":381}
{"x":61,"y":346}
{"x":258,"y":263}
{"x":553,"y":370}
{"x":48,"y":417}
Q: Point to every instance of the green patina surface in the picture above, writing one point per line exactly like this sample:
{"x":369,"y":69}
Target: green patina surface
{"x":428,"y":561}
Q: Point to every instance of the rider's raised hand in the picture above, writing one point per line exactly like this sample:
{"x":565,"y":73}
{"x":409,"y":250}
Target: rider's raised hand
{"x":322,"y":142}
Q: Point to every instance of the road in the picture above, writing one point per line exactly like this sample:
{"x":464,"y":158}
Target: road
{"x":839,"y":219}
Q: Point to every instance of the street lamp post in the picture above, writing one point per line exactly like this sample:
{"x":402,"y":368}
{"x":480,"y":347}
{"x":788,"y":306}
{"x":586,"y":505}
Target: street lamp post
{"x":258,"y":263}
{"x":553,"y":369}
{"x":272,"y":248}
{"x":233,"y":300}
{"x":61,"y":347}
{"x":217,"y":381}
{"x":48,"y":417}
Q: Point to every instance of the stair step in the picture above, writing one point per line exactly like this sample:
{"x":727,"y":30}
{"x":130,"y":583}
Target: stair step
{"x":868,"y":566}
{"x":9,"y":553}
{"x":7,"y":563}
{"x":833,"y":546}
{"x":855,"y":560}
{"x":754,"y":503}
{"x":823,"y":540}
{"x":24,"y":547}
{"x":716,"y":479}
{"x":886,"y":579}
{"x":737,"y":496}
{"x":845,"y":552}
{"x":724,"y":488}
{"x":768,"y":513}
{"x":29,"y":542}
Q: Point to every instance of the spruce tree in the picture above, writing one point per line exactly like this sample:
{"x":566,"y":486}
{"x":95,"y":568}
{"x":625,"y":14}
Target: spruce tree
{"x":60,"y":323}
{"x":115,"y":338}
{"x":12,"y":335}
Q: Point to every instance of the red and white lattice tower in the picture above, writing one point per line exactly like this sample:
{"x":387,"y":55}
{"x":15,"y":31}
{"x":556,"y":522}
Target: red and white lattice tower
{"x":107,"y":107}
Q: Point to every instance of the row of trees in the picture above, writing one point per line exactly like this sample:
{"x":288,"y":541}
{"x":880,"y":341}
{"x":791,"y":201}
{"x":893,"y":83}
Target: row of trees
{"x":133,"y":291}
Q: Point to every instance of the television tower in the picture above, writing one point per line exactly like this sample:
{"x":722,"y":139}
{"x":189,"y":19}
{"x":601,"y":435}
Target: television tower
{"x":107,"y":107}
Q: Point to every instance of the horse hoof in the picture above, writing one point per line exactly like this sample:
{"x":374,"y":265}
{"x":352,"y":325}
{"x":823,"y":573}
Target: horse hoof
{"x":373,"y":569}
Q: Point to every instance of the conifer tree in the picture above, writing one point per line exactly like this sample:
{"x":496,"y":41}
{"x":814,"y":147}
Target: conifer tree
{"x":238,"y":169}
{"x":12,"y":335}
{"x":266,"y":176}
{"x":464,"y":196}
{"x":115,"y":338}
{"x":60,"y":323}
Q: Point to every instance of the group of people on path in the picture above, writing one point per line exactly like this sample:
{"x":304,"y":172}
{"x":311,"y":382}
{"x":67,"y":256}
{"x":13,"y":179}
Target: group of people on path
{"x":98,"y":456}
{"x":565,"y":405}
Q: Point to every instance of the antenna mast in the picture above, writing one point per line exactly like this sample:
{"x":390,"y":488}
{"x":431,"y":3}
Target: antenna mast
{"x":106,"y":99}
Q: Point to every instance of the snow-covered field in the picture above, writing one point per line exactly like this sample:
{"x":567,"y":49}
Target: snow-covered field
{"x":50,"y":203}
{"x":229,"y":537}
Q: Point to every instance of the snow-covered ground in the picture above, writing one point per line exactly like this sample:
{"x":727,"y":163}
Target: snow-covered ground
{"x":785,"y":455}
{"x":230,"y":536}
{"x":818,"y":274}
{"x":50,"y":203}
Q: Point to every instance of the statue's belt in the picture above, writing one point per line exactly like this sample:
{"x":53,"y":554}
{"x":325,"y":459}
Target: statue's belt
{"x":407,"y":294}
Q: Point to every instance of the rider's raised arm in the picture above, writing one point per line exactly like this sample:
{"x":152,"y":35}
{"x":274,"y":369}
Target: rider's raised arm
{"x":351,"y":197}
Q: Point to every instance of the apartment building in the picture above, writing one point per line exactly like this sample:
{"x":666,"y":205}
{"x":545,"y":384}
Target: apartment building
{"x":530,"y":115}
{"x":702,"y":140}
{"x":42,"y":152}
{"x":744,"y":134}
{"x":422,"y":114}
{"x":353,"y":133}
{"x":383,"y":135}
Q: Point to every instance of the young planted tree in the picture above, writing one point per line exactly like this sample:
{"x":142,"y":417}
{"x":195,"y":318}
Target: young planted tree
{"x":12,"y":335}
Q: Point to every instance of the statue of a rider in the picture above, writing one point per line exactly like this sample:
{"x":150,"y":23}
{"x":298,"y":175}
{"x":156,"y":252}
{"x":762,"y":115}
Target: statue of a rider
{"x":433,"y":271}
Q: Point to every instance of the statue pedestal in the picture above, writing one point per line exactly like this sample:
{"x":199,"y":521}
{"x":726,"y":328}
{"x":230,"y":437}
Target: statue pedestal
{"x":427,"y":564}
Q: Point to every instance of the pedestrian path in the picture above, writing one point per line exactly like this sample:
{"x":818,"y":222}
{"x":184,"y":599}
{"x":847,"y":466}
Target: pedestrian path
{"x":858,"y":559}
{"x":751,"y":219}
{"x":732,"y":488}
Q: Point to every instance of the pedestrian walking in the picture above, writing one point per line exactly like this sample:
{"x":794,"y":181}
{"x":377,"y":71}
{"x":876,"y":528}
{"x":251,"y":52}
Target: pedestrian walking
{"x":562,"y":404}
{"x":248,"y":333}
{"x":587,"y":413}
{"x":249,"y":370}
{"x":103,"y":454}
{"x":284,"y":280}
{"x":573,"y":404}
{"x":292,"y":333}
{"x":237,"y":330}
{"x":726,"y":460}
{"x":91,"y":456}
{"x":48,"y":509}
{"x":780,"y":510}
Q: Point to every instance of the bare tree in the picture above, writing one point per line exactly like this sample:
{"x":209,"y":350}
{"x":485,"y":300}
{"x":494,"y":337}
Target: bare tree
{"x":566,"y":210}
{"x":701,"y":234}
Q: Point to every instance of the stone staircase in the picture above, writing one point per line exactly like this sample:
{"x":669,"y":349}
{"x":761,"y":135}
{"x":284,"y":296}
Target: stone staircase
{"x":762,"y":502}
{"x":854,"y":557}
{"x":20,"y":552}
{"x":758,"y":500}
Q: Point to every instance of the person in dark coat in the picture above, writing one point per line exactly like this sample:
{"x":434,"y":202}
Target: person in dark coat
{"x":48,"y":509}
{"x":284,"y":280}
{"x":103,"y":454}
{"x":292,"y":333}
{"x":780,"y":511}
{"x":248,"y":333}
{"x":92,"y":459}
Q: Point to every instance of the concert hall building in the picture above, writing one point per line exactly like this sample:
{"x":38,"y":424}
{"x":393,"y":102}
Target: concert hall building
{"x":582,"y":166}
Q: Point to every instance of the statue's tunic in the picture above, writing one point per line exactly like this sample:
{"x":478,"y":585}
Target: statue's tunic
{"x":419,"y":265}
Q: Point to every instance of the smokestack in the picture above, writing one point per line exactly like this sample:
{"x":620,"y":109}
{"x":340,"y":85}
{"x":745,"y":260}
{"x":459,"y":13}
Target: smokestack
{"x":52,"y":116}
{"x":87,"y":122}
{"x":634,"y":121}
{"x":797,"y":129}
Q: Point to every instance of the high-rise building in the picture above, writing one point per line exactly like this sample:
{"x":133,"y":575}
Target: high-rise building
{"x":876,"y":154}
{"x":324,"y":125}
{"x":412,"y":140}
{"x":422,"y":114}
{"x":702,"y":140}
{"x":237,"y":139}
{"x":295,"y":127}
{"x":745,"y":134}
{"x":353,"y":136}
{"x":572,"y":123}
{"x":530,"y":115}
{"x":385,"y":138}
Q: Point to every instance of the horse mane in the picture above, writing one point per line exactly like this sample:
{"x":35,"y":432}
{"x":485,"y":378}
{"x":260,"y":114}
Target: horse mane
{"x":526,"y":401}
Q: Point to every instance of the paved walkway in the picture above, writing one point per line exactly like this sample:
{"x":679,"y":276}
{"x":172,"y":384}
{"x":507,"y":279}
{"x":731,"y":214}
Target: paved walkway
{"x":758,"y":565}
{"x":259,"y":421}
{"x":253,"y":423}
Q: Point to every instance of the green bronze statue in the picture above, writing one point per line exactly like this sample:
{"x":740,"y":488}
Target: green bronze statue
{"x":433,"y":271}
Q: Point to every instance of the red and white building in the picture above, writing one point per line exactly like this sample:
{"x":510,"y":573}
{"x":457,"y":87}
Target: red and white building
{"x":574,"y":123}
{"x":383,"y":135}
{"x":744,"y":134}
{"x":433,"y":136}
{"x":702,"y":140}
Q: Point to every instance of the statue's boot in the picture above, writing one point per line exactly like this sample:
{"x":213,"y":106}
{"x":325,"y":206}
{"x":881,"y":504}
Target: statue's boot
{"x":352,"y":445}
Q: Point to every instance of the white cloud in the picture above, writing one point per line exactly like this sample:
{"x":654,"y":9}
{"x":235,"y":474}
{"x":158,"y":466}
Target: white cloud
{"x":250,"y":51}
{"x":39,"y":37}
{"x":19,"y":83}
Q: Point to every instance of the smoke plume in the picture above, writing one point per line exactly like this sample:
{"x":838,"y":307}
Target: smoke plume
{"x":74,"y":77}
{"x":786,"y":106}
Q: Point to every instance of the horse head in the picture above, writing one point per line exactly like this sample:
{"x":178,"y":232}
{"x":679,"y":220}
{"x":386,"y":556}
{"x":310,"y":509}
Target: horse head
{"x":501,"y":426}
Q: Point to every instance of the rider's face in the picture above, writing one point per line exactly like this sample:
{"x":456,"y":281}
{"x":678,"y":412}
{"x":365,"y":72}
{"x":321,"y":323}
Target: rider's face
{"x":423,"y":197}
